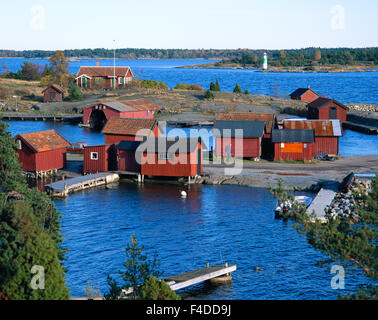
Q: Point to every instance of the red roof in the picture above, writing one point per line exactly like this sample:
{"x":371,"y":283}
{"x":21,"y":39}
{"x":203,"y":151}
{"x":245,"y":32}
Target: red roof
{"x":129,"y":126}
{"x":268,"y":118}
{"x":103,"y":71}
{"x":129,"y":105}
{"x":323,"y":128}
{"x":44,"y":140}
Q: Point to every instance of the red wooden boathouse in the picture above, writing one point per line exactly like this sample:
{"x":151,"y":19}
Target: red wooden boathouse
{"x":41,"y":151}
{"x":293,"y":144}
{"x":238,"y":138}
{"x":101,"y":158}
{"x":327,"y":133}
{"x":96,"y":115}
{"x":53,"y":93}
{"x":118,"y":129}
{"x":103,"y":77}
{"x":171,"y":157}
{"x":326,"y":108}
{"x":304,"y":94}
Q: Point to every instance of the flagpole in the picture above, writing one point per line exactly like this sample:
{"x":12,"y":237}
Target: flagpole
{"x":114,"y":79}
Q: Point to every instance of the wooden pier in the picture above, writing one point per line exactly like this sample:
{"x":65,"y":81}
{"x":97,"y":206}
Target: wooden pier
{"x":190,"y":278}
{"x":16,"y":116}
{"x":323,"y":199}
{"x":360,"y":128}
{"x":189,"y":123}
{"x":62,"y":188}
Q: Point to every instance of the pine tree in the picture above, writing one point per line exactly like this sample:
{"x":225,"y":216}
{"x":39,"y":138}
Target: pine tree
{"x":237,"y":89}
{"x":217,"y":86}
{"x":209,"y":95}
{"x":213,"y":86}
{"x":246,"y":92}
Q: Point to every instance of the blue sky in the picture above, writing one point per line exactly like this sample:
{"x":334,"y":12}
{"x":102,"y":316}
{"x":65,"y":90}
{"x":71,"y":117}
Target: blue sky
{"x":194,"y":24}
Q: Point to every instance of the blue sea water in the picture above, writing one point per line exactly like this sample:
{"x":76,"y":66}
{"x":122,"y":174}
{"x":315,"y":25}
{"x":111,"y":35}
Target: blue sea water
{"x":357,"y":87}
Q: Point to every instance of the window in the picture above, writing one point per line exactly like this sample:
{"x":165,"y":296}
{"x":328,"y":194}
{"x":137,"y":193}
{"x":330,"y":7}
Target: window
{"x":18,"y":144}
{"x":94,"y":155}
{"x":121,"y":80}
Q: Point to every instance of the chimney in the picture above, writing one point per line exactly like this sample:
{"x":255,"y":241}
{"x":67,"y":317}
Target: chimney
{"x":97,"y":63}
{"x":308,"y":86}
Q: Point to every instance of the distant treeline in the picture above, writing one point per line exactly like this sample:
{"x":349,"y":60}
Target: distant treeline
{"x":292,"y":57}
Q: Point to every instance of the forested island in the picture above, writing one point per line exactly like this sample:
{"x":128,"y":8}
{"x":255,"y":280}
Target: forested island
{"x":246,"y":57}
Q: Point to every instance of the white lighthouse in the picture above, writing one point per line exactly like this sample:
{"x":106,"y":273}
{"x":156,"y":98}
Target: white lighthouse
{"x":265,"y":61}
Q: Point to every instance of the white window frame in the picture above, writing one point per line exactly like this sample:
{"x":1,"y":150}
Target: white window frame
{"x":18,"y":144}
{"x":94,"y":156}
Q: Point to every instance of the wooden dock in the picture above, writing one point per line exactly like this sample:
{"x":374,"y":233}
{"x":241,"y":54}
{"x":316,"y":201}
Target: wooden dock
{"x":189,"y":123}
{"x":62,"y":188}
{"x":360,"y":127}
{"x":323,"y":199}
{"x":190,"y":278}
{"x":16,"y":116}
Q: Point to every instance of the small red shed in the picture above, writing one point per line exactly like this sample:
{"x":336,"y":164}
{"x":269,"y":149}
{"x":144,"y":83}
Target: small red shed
{"x":104,"y":77}
{"x":327,"y":133}
{"x":97,"y":114}
{"x":100,"y":158}
{"x":171,"y":157}
{"x":128,"y":159}
{"x":304,"y":94}
{"x":238,"y":138}
{"x":53,"y":93}
{"x":41,"y":151}
{"x":118,"y":129}
{"x":293,"y":144}
{"x":326,"y":108}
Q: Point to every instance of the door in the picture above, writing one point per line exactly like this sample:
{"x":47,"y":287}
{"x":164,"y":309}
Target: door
{"x":83,"y":82}
{"x":52,"y":96}
{"x":199,"y":162}
{"x":332,"y":112}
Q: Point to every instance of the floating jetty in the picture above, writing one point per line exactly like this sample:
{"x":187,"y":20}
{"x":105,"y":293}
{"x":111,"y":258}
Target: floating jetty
{"x":323,"y":199}
{"x":360,"y":128}
{"x":41,"y":117}
{"x":214,"y":273}
{"x":62,"y":188}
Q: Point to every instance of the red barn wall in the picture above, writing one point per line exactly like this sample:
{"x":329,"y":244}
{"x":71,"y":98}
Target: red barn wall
{"x":99,"y":165}
{"x":127,"y":161}
{"x":251,"y":147}
{"x":280,"y":154}
{"x":58,"y":96}
{"x":329,"y":145}
{"x":26,"y":157}
{"x":323,"y":113}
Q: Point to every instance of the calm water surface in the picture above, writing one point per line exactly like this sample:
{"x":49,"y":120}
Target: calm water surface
{"x":214,"y":224}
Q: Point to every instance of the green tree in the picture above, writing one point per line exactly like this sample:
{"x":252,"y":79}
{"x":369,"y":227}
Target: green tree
{"x":217,"y":86}
{"x":246,"y":92}
{"x":74,"y":92}
{"x":237,"y":89}
{"x":213,"y":87}
{"x":137,"y":269}
{"x":155,"y":289}
{"x":209,"y":95}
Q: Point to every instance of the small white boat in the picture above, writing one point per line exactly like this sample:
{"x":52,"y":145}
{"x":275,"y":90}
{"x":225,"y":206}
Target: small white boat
{"x":284,"y":207}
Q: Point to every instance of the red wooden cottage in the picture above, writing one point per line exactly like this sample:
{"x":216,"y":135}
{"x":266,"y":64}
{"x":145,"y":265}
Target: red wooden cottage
{"x":53,"y":93}
{"x":304,"y":94}
{"x":293,"y":144}
{"x":96,"y":115}
{"x":41,"y":152}
{"x":327,"y":133}
{"x":171,"y":157}
{"x":119,"y":129}
{"x":100,"y":158}
{"x":267,"y":148}
{"x":103,"y":77}
{"x":326,"y":108}
{"x":238,"y":138}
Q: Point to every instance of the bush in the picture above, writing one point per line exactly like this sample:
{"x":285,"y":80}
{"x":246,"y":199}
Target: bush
{"x":209,"y":95}
{"x":246,"y":92}
{"x":74,"y":92}
{"x":5,"y":92}
{"x":185,"y":86}
{"x":150,"y":84}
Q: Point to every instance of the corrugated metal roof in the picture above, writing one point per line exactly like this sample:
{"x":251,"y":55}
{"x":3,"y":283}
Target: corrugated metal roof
{"x":293,"y":136}
{"x":129,"y":126}
{"x":268,"y":118}
{"x":323,"y":128}
{"x":44,"y":140}
{"x":130,"y":105}
{"x":250,"y":129}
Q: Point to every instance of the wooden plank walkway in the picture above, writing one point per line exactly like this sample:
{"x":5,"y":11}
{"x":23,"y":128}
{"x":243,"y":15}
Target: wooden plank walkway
{"x":360,"y":127}
{"x":322,"y":200}
{"x":41,"y":117}
{"x":190,"y":278}
{"x":63,"y":188}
